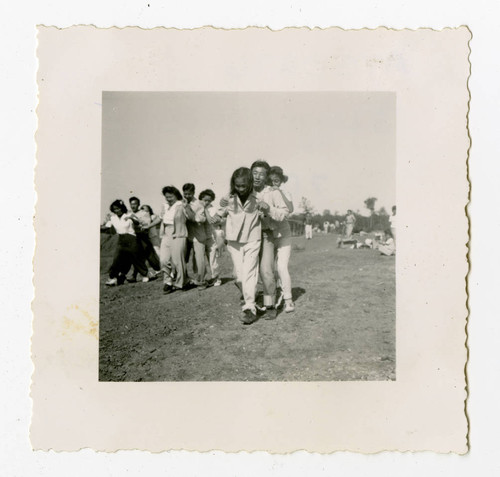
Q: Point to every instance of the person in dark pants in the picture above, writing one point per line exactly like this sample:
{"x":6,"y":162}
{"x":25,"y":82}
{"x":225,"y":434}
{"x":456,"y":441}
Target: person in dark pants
{"x":127,"y":252}
{"x":142,"y":233}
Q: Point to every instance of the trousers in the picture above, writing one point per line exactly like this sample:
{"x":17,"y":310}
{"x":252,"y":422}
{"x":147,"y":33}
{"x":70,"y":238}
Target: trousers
{"x":199,"y":268}
{"x":172,"y":258}
{"x":245,"y":258}
{"x":127,"y":253}
{"x":267,"y":268}
{"x":211,"y":253}
{"x":283,"y":249}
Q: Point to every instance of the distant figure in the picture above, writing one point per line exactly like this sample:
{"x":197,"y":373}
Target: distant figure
{"x":326,"y":224}
{"x":350,"y":220}
{"x":392,"y":220}
{"x":308,"y":226}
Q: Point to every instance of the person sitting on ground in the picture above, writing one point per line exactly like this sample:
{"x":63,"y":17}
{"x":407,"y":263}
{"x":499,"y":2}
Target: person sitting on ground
{"x":388,"y":246}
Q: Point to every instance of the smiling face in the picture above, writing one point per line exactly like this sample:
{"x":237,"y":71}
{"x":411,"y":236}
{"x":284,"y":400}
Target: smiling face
{"x":134,"y":205}
{"x":275,"y":180}
{"x":188,"y":195}
{"x":259,"y":177}
{"x":117,"y":210}
{"x":170,"y":198}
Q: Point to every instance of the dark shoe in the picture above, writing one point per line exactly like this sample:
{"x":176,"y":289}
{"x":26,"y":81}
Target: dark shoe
{"x":167,"y":289}
{"x":204,"y":286}
{"x":248,"y":317}
{"x":270,"y":313}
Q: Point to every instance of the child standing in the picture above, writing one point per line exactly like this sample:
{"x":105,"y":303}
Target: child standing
{"x":128,"y":252}
{"x":243,"y":234}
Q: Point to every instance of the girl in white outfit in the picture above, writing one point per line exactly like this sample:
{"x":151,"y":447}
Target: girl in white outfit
{"x":282,"y":241}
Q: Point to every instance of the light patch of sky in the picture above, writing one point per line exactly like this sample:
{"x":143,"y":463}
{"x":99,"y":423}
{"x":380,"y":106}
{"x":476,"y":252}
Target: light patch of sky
{"x":337,"y":148}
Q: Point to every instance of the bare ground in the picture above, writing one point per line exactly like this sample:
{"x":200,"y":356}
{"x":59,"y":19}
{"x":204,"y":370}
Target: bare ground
{"x":343,"y":327}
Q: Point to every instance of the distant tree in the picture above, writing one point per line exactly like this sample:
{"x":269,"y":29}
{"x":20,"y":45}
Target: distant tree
{"x":306,"y":206}
{"x":370,"y":204}
{"x":327,"y":212}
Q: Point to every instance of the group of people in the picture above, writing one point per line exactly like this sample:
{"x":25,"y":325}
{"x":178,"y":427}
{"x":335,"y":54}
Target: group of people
{"x":257,"y":234}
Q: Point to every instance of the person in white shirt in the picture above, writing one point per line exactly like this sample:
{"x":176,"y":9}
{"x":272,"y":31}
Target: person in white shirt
{"x":350,"y":220}
{"x":243,"y":234}
{"x":392,"y":221}
{"x":283,"y":242}
{"x":206,"y":198}
{"x":128,"y":252}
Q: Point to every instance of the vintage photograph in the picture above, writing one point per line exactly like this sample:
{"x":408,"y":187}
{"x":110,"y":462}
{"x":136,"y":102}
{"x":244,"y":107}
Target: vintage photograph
{"x":248,"y":236}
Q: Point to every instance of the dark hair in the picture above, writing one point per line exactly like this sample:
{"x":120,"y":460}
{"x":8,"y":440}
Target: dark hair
{"x":149,"y":208}
{"x":120,"y":204}
{"x":208,"y":192}
{"x":172,"y":190}
{"x":134,"y":198}
{"x":394,"y":208}
{"x":278,"y":171}
{"x":188,"y":187}
{"x":241,"y":173}
{"x":262,"y":164}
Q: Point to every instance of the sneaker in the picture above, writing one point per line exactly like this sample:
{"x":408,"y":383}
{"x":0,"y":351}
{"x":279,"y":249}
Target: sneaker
{"x":145,"y":279}
{"x":203,"y":286}
{"x":218,"y":282}
{"x":248,"y":317}
{"x":112,"y":282}
{"x":131,"y":279}
{"x":289,"y":307}
{"x":270,"y":313}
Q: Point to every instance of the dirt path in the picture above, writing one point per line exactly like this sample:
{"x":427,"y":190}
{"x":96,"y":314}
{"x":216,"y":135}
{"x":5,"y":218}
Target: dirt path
{"x":343,"y":327}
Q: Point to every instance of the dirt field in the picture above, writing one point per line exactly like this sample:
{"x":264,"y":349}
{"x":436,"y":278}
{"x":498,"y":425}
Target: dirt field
{"x":343,"y":327}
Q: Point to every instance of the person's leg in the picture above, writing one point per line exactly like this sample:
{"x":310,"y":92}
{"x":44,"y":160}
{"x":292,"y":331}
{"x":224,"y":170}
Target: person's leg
{"x":283,"y":250}
{"x":348,"y":231}
{"x":199,"y":260}
{"x":250,"y":273}
{"x":211,"y":249}
{"x":178,"y":261}
{"x":266,"y":270}
{"x":137,"y":257}
{"x":236,"y":251}
{"x":149,"y":252}
{"x":166,"y":257}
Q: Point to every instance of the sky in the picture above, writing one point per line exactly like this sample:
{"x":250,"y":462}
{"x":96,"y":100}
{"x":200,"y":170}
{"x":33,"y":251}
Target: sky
{"x":337,"y":148}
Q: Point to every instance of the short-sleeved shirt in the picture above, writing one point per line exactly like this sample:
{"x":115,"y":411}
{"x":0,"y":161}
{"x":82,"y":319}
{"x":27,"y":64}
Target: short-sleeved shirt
{"x":122,"y":225}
